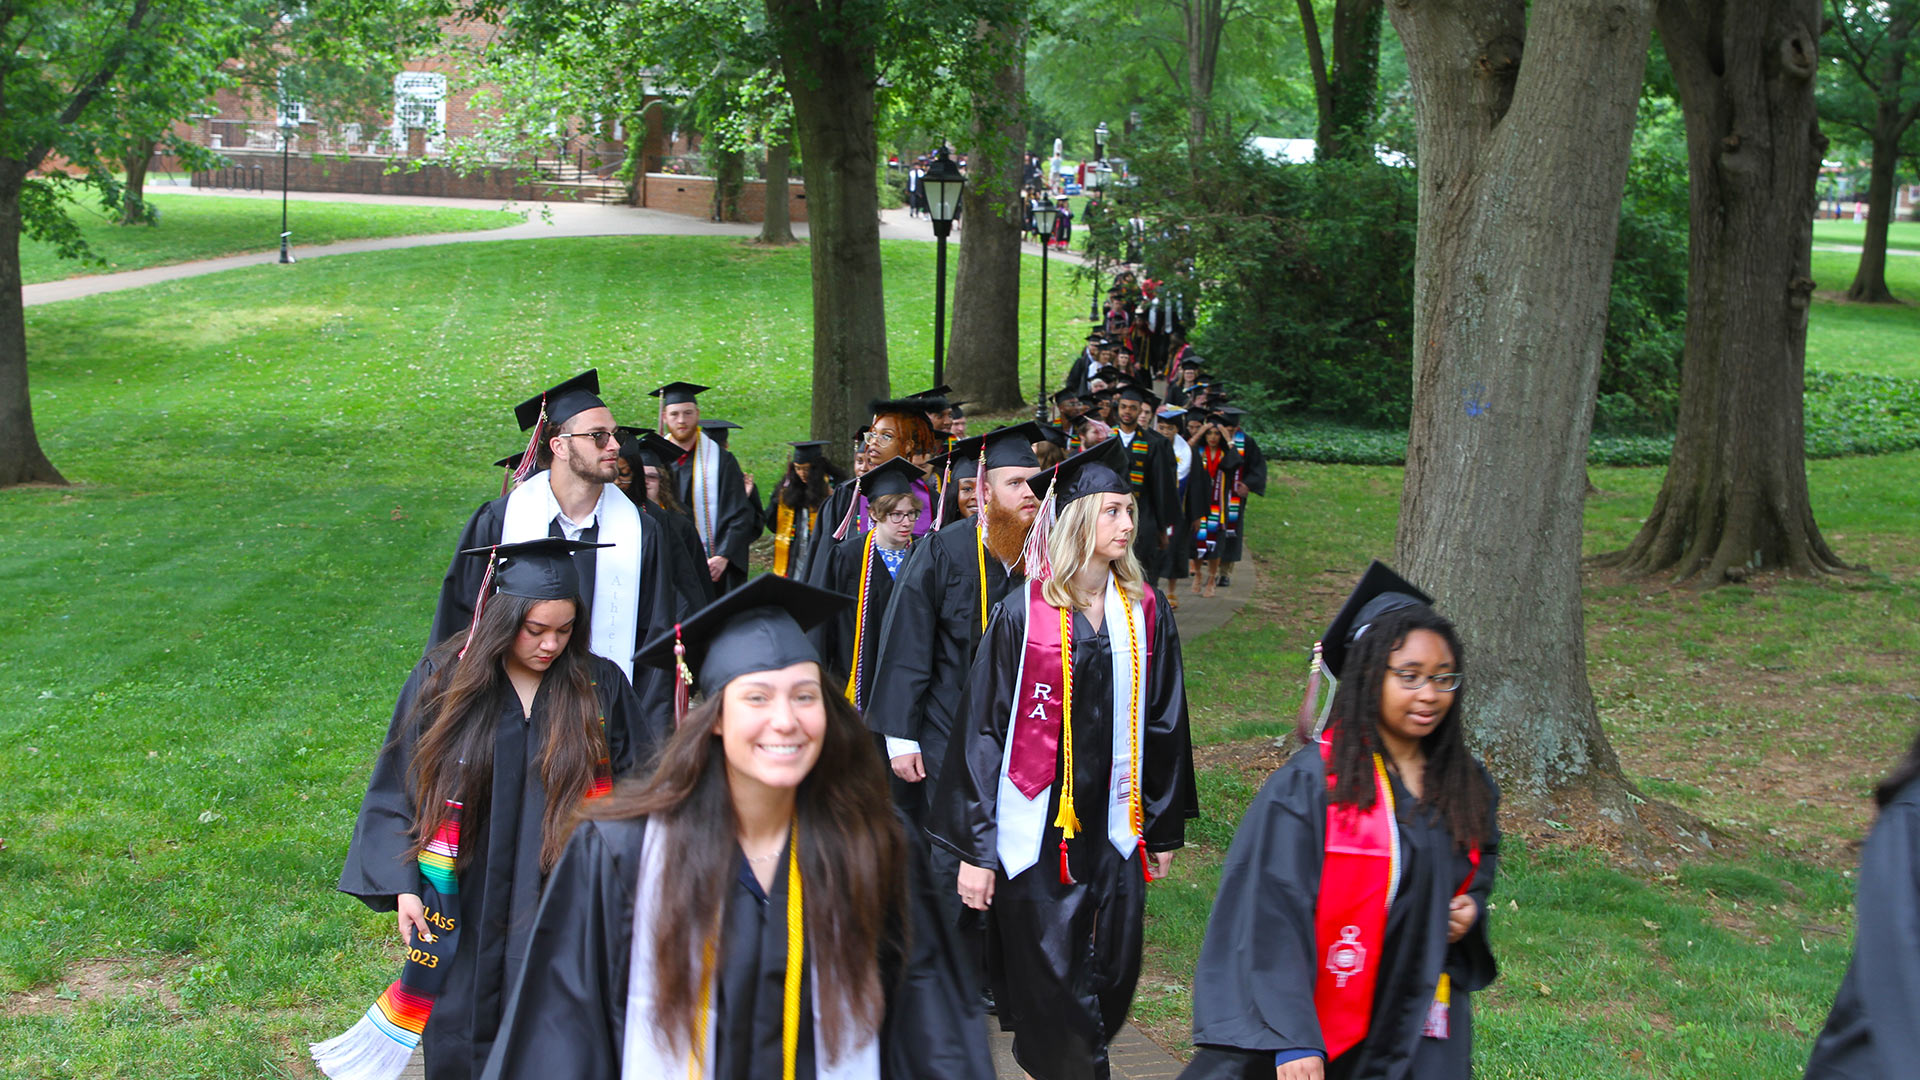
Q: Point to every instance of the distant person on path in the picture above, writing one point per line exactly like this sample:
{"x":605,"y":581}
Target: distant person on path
{"x":1251,"y":480}
{"x":754,"y":909}
{"x":1350,"y":927}
{"x":1210,"y":502}
{"x":707,"y":479}
{"x":1873,"y":1032}
{"x":795,"y":504}
{"x":517,"y":723}
{"x":644,"y":456}
{"x":1174,"y":565}
{"x":626,"y":586}
{"x":1070,"y":778}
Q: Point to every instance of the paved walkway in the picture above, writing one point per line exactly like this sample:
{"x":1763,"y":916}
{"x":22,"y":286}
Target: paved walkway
{"x":545,"y":221}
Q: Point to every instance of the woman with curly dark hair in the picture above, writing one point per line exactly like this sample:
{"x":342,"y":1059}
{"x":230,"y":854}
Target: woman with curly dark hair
{"x":1350,"y":926}
{"x":794,"y":505}
{"x":749,"y":911}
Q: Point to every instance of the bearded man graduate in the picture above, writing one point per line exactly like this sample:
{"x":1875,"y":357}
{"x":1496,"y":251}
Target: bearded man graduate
{"x":708,"y":480}
{"x":625,"y":588}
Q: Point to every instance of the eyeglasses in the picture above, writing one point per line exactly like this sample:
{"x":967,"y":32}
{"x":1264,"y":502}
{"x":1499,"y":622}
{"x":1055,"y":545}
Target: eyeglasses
{"x":1446,"y":681}
{"x":901,"y":517}
{"x":600,"y":438}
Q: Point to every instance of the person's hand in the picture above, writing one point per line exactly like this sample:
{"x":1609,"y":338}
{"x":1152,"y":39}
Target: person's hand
{"x":1461,"y":914}
{"x":1162,"y":863}
{"x":716,"y":566}
{"x":1311,"y":1067}
{"x":976,"y":886}
{"x":412,"y":917}
{"x":909,"y":767}
{"x":748,"y":477}
{"x":1240,"y":489}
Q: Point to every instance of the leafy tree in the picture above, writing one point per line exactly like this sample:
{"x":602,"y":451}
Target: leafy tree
{"x":1872,"y":89}
{"x":1345,"y":88}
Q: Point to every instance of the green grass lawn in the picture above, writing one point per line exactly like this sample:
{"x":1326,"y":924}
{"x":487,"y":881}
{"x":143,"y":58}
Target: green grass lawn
{"x":1881,"y":338}
{"x":1900,"y":234}
{"x":207,"y":226}
{"x":207,"y":630}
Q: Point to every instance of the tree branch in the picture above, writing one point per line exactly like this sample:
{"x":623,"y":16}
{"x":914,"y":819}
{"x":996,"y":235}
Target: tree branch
{"x":1317,"y":61}
{"x":94,"y":87}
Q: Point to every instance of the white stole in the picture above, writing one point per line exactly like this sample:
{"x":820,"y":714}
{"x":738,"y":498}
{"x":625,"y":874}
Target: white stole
{"x":704,"y":490}
{"x":1021,"y":823}
{"x":531,"y":509}
{"x":648,"y":1054}
{"x":1182,"y":459}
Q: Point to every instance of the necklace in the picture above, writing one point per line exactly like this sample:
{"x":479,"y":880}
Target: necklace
{"x":768,"y":857}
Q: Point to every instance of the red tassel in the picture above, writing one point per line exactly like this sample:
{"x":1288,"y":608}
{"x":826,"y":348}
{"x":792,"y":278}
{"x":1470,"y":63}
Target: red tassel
{"x":1066,"y":875}
{"x":480,"y":602}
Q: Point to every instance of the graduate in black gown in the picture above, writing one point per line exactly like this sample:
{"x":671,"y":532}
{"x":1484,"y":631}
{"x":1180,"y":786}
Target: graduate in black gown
{"x":1873,"y":1032}
{"x":708,"y":482}
{"x":1155,"y":474}
{"x":959,"y":488}
{"x":721,"y":431}
{"x":754,"y":903}
{"x":1350,"y":929}
{"x":645,"y":454}
{"x":794,"y":506}
{"x":627,"y":586}
{"x":1064,"y":787}
{"x":1252,"y":480}
{"x":865,"y":568}
{"x":520,"y":730}
{"x":902,"y":427}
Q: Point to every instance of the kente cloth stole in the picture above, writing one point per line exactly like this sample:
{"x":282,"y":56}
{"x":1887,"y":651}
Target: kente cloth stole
{"x":1206,"y":539}
{"x":1039,"y":725}
{"x":378,"y":1045}
{"x":1359,"y":879}
{"x":784,"y":534}
{"x":1234,"y":500}
{"x":1137,"y":461}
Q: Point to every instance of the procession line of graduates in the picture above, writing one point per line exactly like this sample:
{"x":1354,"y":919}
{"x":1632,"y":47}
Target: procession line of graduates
{"x":640,"y":822}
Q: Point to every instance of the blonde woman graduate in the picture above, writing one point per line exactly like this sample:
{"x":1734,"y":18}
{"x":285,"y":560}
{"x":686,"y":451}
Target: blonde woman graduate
{"x":1069,"y":779}
{"x":751,"y":911}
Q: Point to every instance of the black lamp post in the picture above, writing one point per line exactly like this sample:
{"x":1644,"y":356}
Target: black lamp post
{"x":943,"y":184}
{"x":286,"y":252}
{"x":1100,"y":142}
{"x":1044,"y":216}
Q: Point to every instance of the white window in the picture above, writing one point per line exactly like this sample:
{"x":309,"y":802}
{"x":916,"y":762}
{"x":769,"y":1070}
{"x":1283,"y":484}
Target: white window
{"x":419,"y":100}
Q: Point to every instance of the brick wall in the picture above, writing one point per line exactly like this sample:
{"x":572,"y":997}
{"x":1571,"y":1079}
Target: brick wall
{"x":362,"y":174}
{"x":693,"y":196}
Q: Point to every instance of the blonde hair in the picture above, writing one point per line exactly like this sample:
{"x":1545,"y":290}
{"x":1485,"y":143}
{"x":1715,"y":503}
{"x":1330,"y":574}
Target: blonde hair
{"x":1070,"y":547}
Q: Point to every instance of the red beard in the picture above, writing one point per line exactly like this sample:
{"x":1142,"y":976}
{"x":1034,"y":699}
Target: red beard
{"x":1006,"y":535}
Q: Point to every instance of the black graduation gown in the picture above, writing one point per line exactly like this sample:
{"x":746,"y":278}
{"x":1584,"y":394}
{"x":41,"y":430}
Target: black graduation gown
{"x":1157,"y":495}
{"x":835,"y":511}
{"x":1176,"y":557}
{"x":500,"y":854}
{"x":1253,"y":473}
{"x":1199,"y":498}
{"x":1253,"y":988}
{"x":1063,"y":958}
{"x":454,"y":611}
{"x":567,"y":1015}
{"x":927,"y":643}
{"x":835,"y":637}
{"x":1872,"y":1033}
{"x":686,"y":561}
{"x":736,"y":517}
{"x":806,"y":527}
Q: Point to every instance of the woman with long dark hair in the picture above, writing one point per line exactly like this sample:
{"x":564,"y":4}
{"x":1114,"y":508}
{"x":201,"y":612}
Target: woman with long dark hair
{"x":1349,"y":931}
{"x":1216,"y":465}
{"x":744,"y":913}
{"x":1871,"y":1033}
{"x":794,"y":505}
{"x":1069,"y":777}
{"x":501,"y":733}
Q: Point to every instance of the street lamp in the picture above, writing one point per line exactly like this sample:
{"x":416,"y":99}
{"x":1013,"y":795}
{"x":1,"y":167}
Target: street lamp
{"x":1044,"y":216}
{"x":943,"y":184}
{"x":286,"y":140}
{"x":1100,"y":142}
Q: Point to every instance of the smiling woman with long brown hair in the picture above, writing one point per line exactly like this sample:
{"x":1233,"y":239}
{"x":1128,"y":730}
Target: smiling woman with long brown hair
{"x":744,"y":913}
{"x":501,"y":734}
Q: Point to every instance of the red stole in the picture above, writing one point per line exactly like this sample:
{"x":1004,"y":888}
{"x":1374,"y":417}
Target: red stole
{"x":1036,"y":746}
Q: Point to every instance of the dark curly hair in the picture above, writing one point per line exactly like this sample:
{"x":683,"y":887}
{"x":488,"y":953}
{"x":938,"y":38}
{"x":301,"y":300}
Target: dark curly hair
{"x":1452,"y":786}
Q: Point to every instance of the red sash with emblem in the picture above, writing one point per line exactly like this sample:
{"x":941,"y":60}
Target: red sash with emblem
{"x":1357,"y":882}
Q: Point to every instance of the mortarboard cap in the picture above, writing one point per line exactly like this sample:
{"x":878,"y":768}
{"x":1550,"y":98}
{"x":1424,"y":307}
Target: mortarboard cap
{"x":1171,"y":414}
{"x":1380,"y":591}
{"x":1191,"y":362}
{"x":940,"y":391}
{"x":717,"y":430}
{"x":907,"y":405}
{"x":1103,"y":469}
{"x":536,"y":569}
{"x":1230,"y":415}
{"x":678,"y":393}
{"x":1136,"y":392}
{"x":809,"y":451}
{"x":963,"y":466}
{"x":1010,"y":447}
{"x":511,"y":462}
{"x":562,"y":402}
{"x":760,"y":626}
{"x":644,"y":447}
{"x":894,"y":476}
{"x":1053,"y":434}
{"x":954,"y":410}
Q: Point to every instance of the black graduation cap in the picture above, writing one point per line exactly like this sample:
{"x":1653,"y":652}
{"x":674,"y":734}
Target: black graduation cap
{"x":645,"y":446}
{"x":1136,"y":392}
{"x":934,"y":392}
{"x":511,"y":462}
{"x":1191,"y":362}
{"x":1380,"y":591}
{"x":1170,"y":414}
{"x":955,"y":465}
{"x":678,"y":393}
{"x":760,"y":626}
{"x":954,"y":410}
{"x":808,"y":452}
{"x":925,"y":406}
{"x":1230,"y":415}
{"x":536,"y":569}
{"x":717,"y":430}
{"x":894,"y":476}
{"x":1108,"y":374}
{"x":1052,"y":433}
{"x":1099,"y":470}
{"x":1007,"y":447}
{"x":563,"y":402}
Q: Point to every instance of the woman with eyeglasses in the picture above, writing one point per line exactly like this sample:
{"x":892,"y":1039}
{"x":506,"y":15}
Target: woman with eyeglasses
{"x":864,"y":567}
{"x":1350,"y":927}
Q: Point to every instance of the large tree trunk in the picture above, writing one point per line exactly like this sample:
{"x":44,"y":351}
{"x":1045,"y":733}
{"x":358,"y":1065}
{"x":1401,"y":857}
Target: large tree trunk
{"x":1870,"y":280}
{"x":830,"y":73}
{"x":1206,"y":21}
{"x":776,"y":227}
{"x":1522,"y":164}
{"x":1345,"y":89}
{"x":983,"y":352}
{"x":1735,"y":495}
{"x":21,"y":459}
{"x":133,"y":205}
{"x":730,"y":169}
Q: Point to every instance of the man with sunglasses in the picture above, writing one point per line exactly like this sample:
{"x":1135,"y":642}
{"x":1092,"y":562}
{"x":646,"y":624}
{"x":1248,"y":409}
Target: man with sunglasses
{"x":568,"y":493}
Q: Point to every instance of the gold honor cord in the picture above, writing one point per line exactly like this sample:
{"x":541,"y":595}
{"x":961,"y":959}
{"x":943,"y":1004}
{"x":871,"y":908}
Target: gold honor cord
{"x":1066,"y":820}
{"x":790,"y":1000}
{"x":980,"y":543}
{"x":860,"y":621}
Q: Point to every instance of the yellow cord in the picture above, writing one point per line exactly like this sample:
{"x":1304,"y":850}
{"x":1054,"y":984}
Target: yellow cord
{"x":696,"y":1064}
{"x":860,"y":622}
{"x":1066,"y":820}
{"x":796,"y":959}
{"x":980,"y":543}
